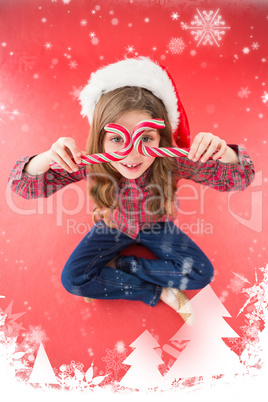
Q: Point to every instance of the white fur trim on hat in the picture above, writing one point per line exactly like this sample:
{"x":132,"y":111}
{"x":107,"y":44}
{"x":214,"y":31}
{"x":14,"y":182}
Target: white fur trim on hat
{"x":141,"y":72}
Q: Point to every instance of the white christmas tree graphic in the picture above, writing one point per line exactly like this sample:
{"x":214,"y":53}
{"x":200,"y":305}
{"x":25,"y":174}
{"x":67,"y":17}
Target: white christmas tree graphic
{"x":143,"y":361}
{"x":42,"y":372}
{"x":206,"y":354}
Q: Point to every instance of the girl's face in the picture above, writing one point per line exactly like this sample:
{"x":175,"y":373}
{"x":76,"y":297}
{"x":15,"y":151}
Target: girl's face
{"x":113,"y":143}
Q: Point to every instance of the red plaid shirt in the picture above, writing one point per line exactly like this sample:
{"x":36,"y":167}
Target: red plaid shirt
{"x":132,"y":215}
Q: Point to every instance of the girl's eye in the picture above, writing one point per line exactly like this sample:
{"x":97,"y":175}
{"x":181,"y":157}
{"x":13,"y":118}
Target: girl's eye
{"x":116,"y":139}
{"x":146,"y":139}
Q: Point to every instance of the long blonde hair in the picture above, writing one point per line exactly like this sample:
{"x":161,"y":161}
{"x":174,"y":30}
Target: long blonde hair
{"x":105,"y":179}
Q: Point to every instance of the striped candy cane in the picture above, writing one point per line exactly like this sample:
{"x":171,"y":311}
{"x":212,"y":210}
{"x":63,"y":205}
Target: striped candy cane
{"x":151,"y":151}
{"x":107,"y":156}
{"x":129,"y":142}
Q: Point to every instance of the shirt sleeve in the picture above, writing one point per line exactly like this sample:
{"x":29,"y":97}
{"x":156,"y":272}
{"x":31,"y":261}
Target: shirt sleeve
{"x":218,"y":175}
{"x":43,"y":185}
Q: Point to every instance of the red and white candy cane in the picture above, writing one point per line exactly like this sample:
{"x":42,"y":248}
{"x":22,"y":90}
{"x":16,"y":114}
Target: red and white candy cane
{"x":130,"y":141}
{"x":107,"y":156}
{"x":152,"y":151}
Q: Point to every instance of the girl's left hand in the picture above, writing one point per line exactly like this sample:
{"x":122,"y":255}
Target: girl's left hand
{"x":207,"y":145}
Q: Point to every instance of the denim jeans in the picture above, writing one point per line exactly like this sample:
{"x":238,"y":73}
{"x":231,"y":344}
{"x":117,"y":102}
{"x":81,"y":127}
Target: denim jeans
{"x":180,"y":264}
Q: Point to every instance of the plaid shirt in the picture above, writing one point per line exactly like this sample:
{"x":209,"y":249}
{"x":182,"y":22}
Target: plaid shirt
{"x":132,"y":214}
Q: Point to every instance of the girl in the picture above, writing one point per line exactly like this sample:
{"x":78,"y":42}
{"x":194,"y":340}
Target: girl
{"x":135,"y":197}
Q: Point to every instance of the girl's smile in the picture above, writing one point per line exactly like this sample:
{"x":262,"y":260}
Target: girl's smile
{"x":135,"y":164}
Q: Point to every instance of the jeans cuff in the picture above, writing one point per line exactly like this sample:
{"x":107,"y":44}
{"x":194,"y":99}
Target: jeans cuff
{"x":157,"y":295}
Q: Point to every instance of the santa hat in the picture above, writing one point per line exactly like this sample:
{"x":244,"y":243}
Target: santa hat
{"x":140,"y":72}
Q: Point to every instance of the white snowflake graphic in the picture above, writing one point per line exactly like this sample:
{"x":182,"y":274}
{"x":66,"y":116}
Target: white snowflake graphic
{"x":246,"y":50}
{"x":83,"y":23}
{"x":265,"y":97}
{"x":73,"y":64}
{"x":207,"y":27}
{"x":237,"y":283}
{"x":114,"y":360}
{"x":130,"y":49}
{"x":176,"y":45}
{"x":115,"y":21}
{"x":76,"y":92}
{"x":48,"y":45}
{"x":255,"y":45}
{"x":244,"y":92}
{"x":12,"y":114}
{"x":174,"y":16}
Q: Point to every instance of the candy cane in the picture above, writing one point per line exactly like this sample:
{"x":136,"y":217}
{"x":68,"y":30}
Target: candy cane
{"x":106,"y":156}
{"x":130,"y":141}
{"x":151,"y":151}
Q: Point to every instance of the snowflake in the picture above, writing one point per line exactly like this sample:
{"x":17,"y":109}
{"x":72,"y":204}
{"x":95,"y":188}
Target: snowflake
{"x":244,"y":92}
{"x":73,"y":64}
{"x":255,"y":46}
{"x":115,"y":21}
{"x":207,"y":28}
{"x":174,"y":16}
{"x":66,"y":1}
{"x":184,"y":26}
{"x":187,"y":266}
{"x":48,"y":45}
{"x":166,"y":248}
{"x":70,"y":368}
{"x":176,"y":45}
{"x":237,"y":283}
{"x":92,"y":34}
{"x":134,"y":266}
{"x":130,"y":49}
{"x":246,"y":50}
{"x":83,"y":23}
{"x":256,"y":298}
{"x":114,"y":359}
{"x":265,"y":97}
{"x":34,"y":337}
{"x":86,"y":313}
{"x":10,"y":326}
{"x":120,"y":346}
{"x":76,"y":92}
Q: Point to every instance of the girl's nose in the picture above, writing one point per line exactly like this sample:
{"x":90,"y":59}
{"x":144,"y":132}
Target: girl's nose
{"x":134,"y":153}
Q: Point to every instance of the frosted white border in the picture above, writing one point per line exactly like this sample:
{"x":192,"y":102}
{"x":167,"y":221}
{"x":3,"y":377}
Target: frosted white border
{"x":228,"y":388}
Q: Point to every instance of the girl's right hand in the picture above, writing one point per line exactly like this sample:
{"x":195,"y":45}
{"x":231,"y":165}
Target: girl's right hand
{"x":66,"y":153}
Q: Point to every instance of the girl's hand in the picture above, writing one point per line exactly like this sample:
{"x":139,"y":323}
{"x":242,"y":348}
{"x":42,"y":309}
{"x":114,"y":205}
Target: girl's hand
{"x":207,"y":145}
{"x":62,"y":152}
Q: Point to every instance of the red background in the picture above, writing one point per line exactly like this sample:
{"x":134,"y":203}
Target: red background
{"x":38,"y":104}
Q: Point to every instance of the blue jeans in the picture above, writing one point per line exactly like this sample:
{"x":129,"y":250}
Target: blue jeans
{"x":180,"y":264}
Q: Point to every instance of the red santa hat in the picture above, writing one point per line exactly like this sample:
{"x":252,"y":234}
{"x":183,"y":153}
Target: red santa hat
{"x":141,"y":72}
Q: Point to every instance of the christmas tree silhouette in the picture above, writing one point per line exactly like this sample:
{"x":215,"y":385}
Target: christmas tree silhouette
{"x":143,"y":361}
{"x":206,"y":354}
{"x":42,"y":372}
